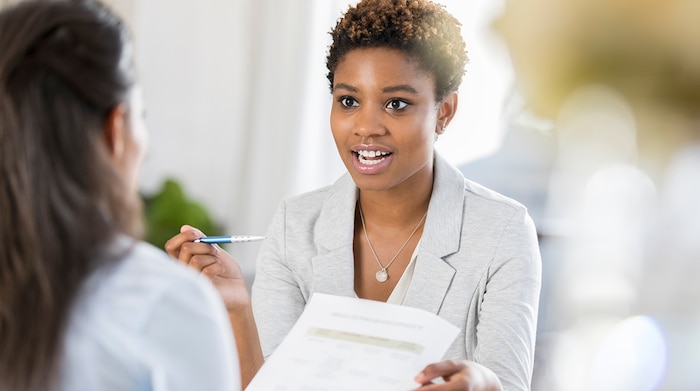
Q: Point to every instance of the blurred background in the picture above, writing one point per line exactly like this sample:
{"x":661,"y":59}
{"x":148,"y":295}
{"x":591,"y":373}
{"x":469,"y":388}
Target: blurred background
{"x":585,"y":111}
{"x":238,"y":103}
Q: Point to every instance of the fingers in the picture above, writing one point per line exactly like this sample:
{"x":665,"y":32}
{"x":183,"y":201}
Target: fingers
{"x":459,"y":375}
{"x":199,"y":256}
{"x":187,"y":234}
{"x":186,"y":228}
{"x":213,"y":270}
{"x":202,"y":257}
{"x":440,"y":369}
{"x":446,"y":370}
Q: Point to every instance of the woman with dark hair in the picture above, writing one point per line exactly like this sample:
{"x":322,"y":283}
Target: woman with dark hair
{"x":403,"y":226}
{"x":83,"y":303}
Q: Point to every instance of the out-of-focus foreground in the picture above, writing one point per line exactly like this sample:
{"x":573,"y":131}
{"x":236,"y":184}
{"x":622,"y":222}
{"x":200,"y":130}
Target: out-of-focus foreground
{"x":620,"y":80}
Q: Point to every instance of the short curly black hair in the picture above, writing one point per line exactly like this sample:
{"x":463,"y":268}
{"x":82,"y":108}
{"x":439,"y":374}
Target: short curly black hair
{"x":422,"y":29}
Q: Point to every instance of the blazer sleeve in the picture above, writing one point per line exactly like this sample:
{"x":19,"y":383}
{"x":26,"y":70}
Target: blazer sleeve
{"x":277,"y":299}
{"x":507,"y":320}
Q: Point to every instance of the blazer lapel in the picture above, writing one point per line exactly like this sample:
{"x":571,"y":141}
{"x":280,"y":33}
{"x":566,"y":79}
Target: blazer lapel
{"x":333,"y":273}
{"x":333,"y":267}
{"x":441,"y":237}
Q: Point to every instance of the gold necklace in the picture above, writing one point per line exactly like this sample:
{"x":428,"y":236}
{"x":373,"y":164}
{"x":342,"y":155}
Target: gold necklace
{"x":382,"y":275}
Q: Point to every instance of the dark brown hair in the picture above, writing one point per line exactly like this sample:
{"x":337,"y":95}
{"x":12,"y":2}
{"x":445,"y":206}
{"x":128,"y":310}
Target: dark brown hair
{"x":65,"y":65}
{"x":422,"y":29}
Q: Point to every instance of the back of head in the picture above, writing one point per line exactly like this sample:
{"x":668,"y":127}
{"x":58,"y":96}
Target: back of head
{"x":65,"y":65}
{"x":420,"y":28}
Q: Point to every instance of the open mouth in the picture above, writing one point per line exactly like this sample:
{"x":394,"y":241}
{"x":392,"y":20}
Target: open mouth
{"x":371,"y":157}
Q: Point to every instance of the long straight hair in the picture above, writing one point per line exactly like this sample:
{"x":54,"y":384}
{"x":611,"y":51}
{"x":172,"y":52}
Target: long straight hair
{"x":64,"y":65}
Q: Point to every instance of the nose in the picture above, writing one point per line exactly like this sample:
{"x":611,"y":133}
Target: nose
{"x":369,"y":123}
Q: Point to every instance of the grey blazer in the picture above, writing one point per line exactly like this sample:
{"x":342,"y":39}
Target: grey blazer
{"x":478,"y":267}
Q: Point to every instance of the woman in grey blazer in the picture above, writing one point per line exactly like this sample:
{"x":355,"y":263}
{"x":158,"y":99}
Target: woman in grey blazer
{"x":403,"y":225}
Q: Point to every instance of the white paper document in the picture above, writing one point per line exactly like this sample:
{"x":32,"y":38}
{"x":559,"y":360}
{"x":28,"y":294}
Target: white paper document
{"x":342,"y":343}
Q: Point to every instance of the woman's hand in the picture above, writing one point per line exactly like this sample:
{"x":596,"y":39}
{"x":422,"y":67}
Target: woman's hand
{"x":213,"y":262}
{"x":458,"y":376}
{"x":225,"y":273}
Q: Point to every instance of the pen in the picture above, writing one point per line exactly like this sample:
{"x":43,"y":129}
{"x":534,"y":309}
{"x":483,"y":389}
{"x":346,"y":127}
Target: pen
{"x":229,"y":239}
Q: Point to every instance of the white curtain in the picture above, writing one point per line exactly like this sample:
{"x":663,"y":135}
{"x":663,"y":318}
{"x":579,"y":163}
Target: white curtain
{"x":237,"y":103}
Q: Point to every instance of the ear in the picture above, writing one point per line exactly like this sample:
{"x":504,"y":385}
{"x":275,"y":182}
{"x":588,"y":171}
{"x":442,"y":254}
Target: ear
{"x":114,"y":131}
{"x":446,"y":111}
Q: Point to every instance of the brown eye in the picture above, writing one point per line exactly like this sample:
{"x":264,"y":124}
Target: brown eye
{"x":348,"y":101}
{"x":396,"y":104}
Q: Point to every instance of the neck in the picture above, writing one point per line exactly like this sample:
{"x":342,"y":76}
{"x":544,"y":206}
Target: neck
{"x":394,"y":209}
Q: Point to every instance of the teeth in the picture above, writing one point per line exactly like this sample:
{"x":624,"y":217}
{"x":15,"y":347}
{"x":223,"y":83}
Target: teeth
{"x":366,"y":157}
{"x":366,"y":153}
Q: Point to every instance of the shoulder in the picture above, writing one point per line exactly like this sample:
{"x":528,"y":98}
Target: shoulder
{"x":451,"y":187}
{"x":325,"y":203}
{"x":130,"y":317}
{"x":138,"y":278}
{"x":154,"y":266}
{"x":494,"y":218}
{"x":140,"y":286}
{"x":319,"y":218}
{"x":315,"y":199}
{"x":479,"y":196}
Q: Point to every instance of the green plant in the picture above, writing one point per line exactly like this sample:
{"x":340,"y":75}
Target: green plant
{"x":168,"y":209}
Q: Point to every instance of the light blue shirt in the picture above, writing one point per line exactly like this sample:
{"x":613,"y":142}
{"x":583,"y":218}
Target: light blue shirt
{"x":148,"y":323}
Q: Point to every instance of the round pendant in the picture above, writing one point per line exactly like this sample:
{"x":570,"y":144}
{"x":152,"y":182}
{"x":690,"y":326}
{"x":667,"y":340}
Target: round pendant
{"x":381,"y":275}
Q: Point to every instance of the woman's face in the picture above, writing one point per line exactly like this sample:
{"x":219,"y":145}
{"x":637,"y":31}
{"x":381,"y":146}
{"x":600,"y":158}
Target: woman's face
{"x":384,"y":117}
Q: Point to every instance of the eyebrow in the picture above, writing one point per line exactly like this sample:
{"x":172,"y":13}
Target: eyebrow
{"x":343,"y":86}
{"x":401,"y":87}
{"x":398,"y":88}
